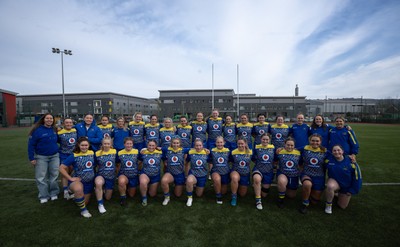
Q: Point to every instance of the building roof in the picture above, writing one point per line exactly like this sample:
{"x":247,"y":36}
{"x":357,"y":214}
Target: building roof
{"x":7,"y":92}
{"x":76,"y":94}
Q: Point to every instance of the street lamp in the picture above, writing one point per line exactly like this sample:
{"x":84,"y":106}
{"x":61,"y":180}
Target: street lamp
{"x":66,"y":52}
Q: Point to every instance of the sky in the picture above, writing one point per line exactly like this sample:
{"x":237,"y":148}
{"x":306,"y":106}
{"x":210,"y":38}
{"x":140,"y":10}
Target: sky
{"x":334,"y":49}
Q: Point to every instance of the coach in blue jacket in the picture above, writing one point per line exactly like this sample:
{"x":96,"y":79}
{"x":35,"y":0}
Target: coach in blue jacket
{"x":89,"y":129}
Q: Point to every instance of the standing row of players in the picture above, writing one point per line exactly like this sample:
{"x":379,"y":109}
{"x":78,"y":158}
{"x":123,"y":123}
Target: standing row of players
{"x":90,"y":131}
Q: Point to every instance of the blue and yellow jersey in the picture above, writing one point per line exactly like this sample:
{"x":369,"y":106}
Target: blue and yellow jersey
{"x":151,"y":162}
{"x":106,"y":130}
{"x":258,"y":130}
{"x":166,"y":135}
{"x":198,"y":162}
{"x":83,"y":164}
{"x":174,"y":160}
{"x":241,"y":161}
{"x":128,"y":162}
{"x":300,"y":134}
{"x":289,"y":162}
{"x":152,"y":132}
{"x":244,"y":131}
{"x":67,"y":140}
{"x":279,"y":135}
{"x":229,"y":132}
{"x":345,"y":138}
{"x":214,"y":127}
{"x":220,"y":160}
{"x":346,"y":173}
{"x":184,"y":133}
{"x":199,"y":131}
{"x":313,"y":161}
{"x":263,"y":158}
{"x":137,"y":131}
{"x":106,"y":164}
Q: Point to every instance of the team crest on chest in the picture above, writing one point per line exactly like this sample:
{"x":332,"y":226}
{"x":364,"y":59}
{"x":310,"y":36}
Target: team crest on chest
{"x":244,"y":133}
{"x":174,"y":159}
{"x":199,"y":162}
{"x":109,"y":164}
{"x":71,"y":140}
{"x":265,"y":157}
{"x":89,"y":164}
{"x":230,"y":131}
{"x":242,"y":163}
{"x":215,"y":126}
{"x":261,"y":132}
{"x":129,"y":163}
{"x":313,"y":161}
{"x":199,"y":128}
{"x":152,"y":161}
{"x":289,"y":164}
{"x":167,"y":138}
{"x":220,"y":160}
{"x":136,"y":131}
{"x":152,"y":133}
{"x":184,"y":135}
{"x":278,"y":135}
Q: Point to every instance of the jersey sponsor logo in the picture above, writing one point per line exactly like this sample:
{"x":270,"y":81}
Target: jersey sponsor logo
{"x":244,"y":133}
{"x":199,"y":128}
{"x":184,"y":135}
{"x":174,"y":159}
{"x":215,"y":126}
{"x":265,"y":157}
{"x":230,"y":131}
{"x":220,"y":160}
{"x":261,"y":132}
{"x":242,"y":163}
{"x":313,"y":161}
{"x":136,"y":131}
{"x":278,"y":135}
{"x":129,"y":164}
{"x":152,"y":133}
{"x":89,"y":164}
{"x":199,"y":162}
{"x":109,"y":164}
{"x":106,"y":135}
{"x":71,"y":140}
{"x":168,"y":138}
{"x":152,"y":161}
{"x":289,"y":164}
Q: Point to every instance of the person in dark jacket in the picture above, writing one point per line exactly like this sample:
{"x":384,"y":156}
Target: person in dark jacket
{"x":89,"y":129}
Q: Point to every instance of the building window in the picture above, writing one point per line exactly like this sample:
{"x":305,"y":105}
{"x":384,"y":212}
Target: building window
{"x":73,"y":103}
{"x":74,"y":110}
{"x":96,"y":103}
{"x":220,"y":100}
{"x":44,"y":104}
{"x":169,"y":101}
{"x":98,"y":110}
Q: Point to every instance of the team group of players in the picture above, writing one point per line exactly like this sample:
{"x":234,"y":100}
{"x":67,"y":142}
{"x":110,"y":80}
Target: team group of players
{"x":94,"y":157}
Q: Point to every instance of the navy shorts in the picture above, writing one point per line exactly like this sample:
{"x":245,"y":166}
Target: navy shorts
{"x":178,"y":179}
{"x":318,"y":183}
{"x":88,"y":187}
{"x":266,"y":177}
{"x":244,"y":180}
{"x":225,"y":179}
{"x":293,"y":182}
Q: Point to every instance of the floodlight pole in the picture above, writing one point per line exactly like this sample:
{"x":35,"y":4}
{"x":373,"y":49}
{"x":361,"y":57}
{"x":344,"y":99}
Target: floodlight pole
{"x":66,"y":52}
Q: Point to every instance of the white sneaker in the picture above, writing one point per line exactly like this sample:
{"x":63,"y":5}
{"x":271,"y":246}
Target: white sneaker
{"x":166,"y":201}
{"x":189,"y":202}
{"x":44,"y":200}
{"x":66,"y":195}
{"x":102,"y":209}
{"x":259,"y":205}
{"x":71,"y":196}
{"x":53,"y":198}
{"x":328,"y":209}
{"x":86,"y":214}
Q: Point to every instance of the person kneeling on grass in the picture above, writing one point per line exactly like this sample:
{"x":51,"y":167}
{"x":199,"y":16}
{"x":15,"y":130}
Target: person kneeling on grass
{"x":81,"y":184}
{"x":313,"y":174}
{"x":174,"y":162}
{"x":105,"y":162}
{"x":220,"y":169}
{"x":150,"y":173}
{"x":128,"y":172}
{"x":344,"y":176}
{"x":263,"y":171}
{"x":197,"y":174}
{"x":288,"y":172}
{"x":240,"y":175}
